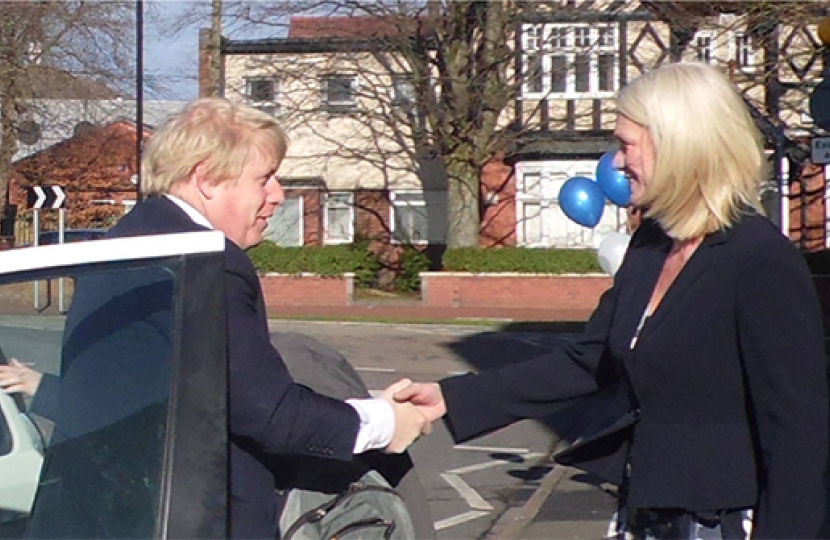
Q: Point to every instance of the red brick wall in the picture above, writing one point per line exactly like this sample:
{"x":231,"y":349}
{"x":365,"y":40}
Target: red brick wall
{"x":451,"y":289}
{"x":372,"y":213}
{"x":306,"y":290}
{"x":810,"y":235}
{"x":498,"y":202}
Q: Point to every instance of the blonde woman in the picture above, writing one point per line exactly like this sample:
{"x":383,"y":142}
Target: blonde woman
{"x":711,"y":335}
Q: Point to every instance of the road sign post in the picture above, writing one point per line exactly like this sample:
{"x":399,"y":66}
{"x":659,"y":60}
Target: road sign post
{"x":40,"y":198}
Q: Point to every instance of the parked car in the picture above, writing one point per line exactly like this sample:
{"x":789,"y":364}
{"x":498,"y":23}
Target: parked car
{"x":70,"y":235}
{"x":131,"y":441}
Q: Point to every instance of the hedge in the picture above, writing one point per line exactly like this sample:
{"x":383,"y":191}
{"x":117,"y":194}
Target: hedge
{"x":321,"y":260}
{"x":357,"y":258}
{"x":522,"y":260}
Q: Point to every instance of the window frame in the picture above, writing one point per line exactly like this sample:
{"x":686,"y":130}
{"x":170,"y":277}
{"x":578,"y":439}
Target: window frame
{"x":300,"y":221}
{"x":339,"y":106}
{"x":403,"y":91}
{"x":193,"y":489}
{"x":332,"y":204}
{"x":576,"y":47}
{"x":433,"y":234}
{"x":269,"y":105}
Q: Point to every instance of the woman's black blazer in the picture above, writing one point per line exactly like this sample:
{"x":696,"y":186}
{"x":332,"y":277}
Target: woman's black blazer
{"x":728,"y":374}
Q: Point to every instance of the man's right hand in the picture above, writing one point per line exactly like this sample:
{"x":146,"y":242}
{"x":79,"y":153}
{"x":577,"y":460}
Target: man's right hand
{"x":410,"y":423}
{"x":427,"y":397}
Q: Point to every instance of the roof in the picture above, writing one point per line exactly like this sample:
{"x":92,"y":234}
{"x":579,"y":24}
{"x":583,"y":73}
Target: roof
{"x":47,"y":82}
{"x":347,"y":27}
{"x":99,"y":157}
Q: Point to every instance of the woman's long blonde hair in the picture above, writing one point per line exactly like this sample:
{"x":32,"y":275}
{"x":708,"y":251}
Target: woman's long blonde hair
{"x":710,"y":157}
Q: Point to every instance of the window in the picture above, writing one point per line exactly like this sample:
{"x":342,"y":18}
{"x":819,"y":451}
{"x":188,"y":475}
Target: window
{"x":582,"y":71}
{"x":403,"y":91}
{"x":262,"y":94}
{"x":606,"y":72}
{"x":559,"y":74}
{"x":339,"y":93}
{"x":532,"y":184}
{"x":582,"y":37}
{"x":532,"y":37}
{"x":540,"y":220}
{"x":558,"y":37}
{"x":703,"y":48}
{"x":339,"y":220}
{"x":731,"y":46}
{"x":534,"y":74}
{"x":419,"y":217}
{"x":577,"y":60}
{"x":110,"y":450}
{"x":285,"y":228}
{"x":744,"y":52}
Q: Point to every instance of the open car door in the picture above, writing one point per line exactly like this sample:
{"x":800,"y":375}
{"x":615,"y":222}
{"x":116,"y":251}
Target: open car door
{"x":126,"y":436}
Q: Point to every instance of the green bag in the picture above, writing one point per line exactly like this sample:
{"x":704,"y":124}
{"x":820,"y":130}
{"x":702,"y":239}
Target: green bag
{"x":370,"y":509}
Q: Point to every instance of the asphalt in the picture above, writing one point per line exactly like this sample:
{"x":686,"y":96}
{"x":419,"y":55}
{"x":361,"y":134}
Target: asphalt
{"x":565,"y":504}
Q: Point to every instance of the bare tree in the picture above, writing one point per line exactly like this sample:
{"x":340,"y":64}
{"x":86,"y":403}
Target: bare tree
{"x":465,"y":62}
{"x":56,"y":50}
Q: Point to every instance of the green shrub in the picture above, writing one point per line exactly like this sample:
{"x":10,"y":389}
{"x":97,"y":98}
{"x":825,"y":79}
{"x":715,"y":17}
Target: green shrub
{"x":321,"y":260}
{"x":522,"y":260}
{"x":411,"y":263}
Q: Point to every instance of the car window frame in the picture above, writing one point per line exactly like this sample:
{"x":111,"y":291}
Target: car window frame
{"x":194,"y":486}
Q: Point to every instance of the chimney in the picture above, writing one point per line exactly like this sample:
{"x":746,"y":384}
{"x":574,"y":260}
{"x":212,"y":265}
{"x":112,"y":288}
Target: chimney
{"x":211,"y":64}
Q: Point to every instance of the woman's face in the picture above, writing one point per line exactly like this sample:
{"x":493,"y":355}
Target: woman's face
{"x":636,"y":157}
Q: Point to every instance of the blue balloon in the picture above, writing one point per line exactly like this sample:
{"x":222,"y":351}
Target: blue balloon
{"x":582,"y":200}
{"x":613,"y":181}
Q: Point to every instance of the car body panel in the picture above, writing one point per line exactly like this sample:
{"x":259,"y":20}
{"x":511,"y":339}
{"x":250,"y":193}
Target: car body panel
{"x":100,"y":355}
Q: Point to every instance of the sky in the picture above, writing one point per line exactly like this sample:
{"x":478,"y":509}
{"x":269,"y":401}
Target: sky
{"x":173,"y":58}
{"x":170,"y":58}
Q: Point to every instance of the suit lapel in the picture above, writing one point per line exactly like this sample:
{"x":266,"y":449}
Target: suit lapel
{"x":702,"y":260}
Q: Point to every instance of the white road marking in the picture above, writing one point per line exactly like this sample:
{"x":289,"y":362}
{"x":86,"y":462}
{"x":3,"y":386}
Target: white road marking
{"x":375,"y":369}
{"x":471,"y":496}
{"x":491,"y":464}
{"x":459,"y":519}
{"x":491,"y":449}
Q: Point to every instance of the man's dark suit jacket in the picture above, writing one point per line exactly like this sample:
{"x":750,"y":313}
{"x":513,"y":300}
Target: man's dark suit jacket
{"x":270,"y":416}
{"x":729,"y":377}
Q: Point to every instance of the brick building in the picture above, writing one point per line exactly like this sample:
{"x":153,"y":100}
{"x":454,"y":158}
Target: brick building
{"x":349,"y":175}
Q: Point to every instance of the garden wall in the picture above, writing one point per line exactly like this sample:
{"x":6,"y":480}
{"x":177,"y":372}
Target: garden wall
{"x":461,"y":289}
{"x":448,"y":290}
{"x":307,"y":290}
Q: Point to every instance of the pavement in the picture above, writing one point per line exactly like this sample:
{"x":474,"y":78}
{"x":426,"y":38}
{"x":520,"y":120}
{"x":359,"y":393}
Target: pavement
{"x":412,"y":311}
{"x":565,"y":504}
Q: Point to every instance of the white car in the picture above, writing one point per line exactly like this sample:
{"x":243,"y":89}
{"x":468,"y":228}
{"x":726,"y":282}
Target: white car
{"x":126,"y":436}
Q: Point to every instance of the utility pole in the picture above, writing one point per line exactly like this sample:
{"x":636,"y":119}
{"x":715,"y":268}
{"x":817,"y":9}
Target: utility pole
{"x":215,"y":48}
{"x":139,"y":93}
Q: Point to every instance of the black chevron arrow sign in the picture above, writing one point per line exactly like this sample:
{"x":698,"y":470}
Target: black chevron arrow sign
{"x":46,"y":197}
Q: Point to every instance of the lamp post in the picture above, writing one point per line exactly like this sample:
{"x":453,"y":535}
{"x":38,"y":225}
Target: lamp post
{"x":139,"y":92}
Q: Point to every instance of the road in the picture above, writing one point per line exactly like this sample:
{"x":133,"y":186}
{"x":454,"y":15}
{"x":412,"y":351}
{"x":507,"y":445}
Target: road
{"x":468,"y":486}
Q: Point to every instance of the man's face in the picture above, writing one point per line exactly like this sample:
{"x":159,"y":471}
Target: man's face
{"x":241,"y":208}
{"x":636,"y":157}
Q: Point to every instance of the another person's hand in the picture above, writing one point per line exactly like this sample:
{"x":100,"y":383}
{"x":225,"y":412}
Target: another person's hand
{"x":427,"y":397}
{"x":409,"y":422}
{"x":17,"y":377}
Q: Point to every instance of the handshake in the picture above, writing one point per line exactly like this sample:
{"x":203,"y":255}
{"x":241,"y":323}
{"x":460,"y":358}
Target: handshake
{"x":416,"y":407}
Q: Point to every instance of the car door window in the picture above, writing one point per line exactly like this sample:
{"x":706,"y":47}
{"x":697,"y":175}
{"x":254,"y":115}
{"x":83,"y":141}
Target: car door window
{"x":106,"y":446}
